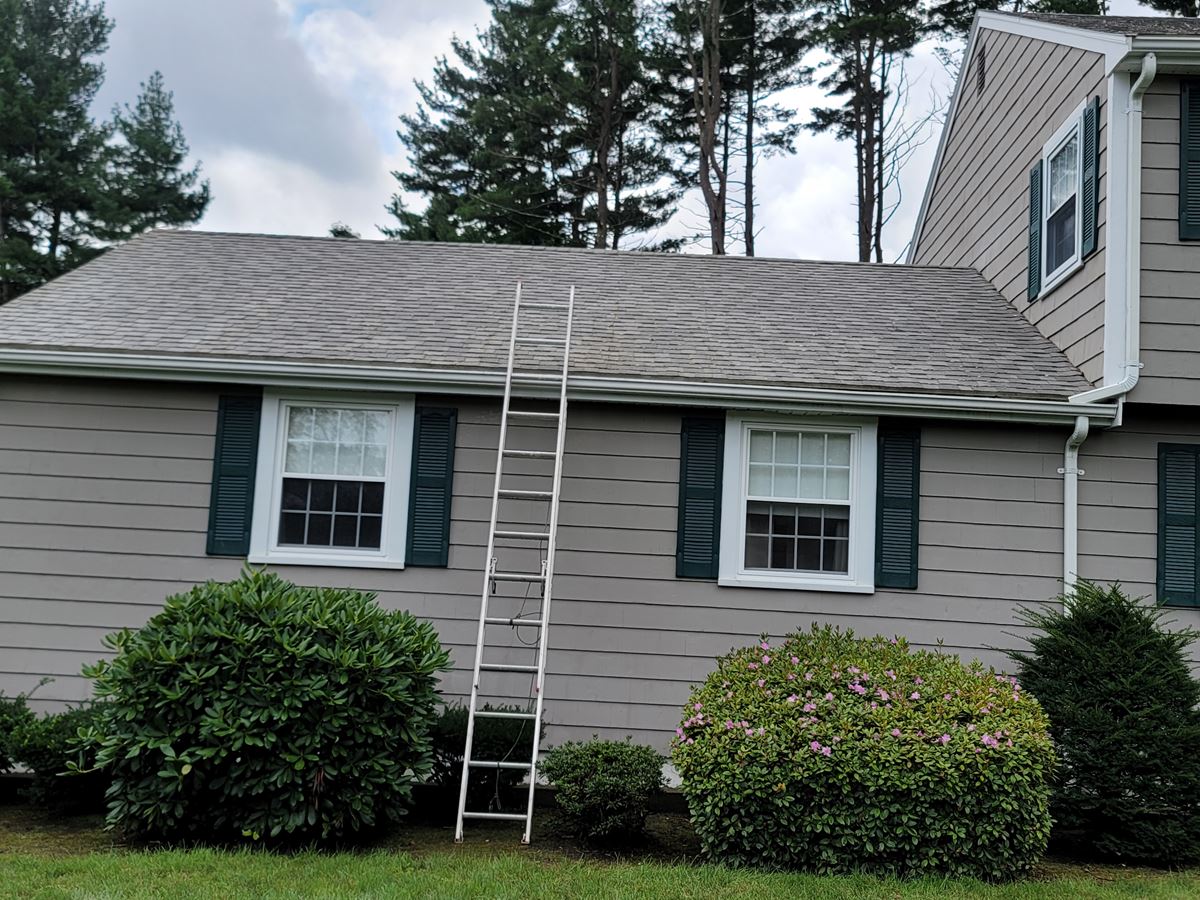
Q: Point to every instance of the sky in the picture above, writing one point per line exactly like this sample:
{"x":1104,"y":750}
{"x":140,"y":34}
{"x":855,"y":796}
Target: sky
{"x":291,"y":106}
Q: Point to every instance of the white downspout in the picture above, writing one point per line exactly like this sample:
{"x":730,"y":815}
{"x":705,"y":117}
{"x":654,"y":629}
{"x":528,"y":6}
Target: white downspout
{"x":1070,"y":473}
{"x":1133,"y":242}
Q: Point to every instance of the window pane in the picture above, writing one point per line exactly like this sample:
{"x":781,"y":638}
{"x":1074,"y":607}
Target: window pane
{"x":350,"y":428}
{"x":372,"y":497}
{"x":374,"y":460}
{"x":783,"y":519}
{"x":812,"y":450}
{"x":809,"y":557}
{"x":836,"y":556}
{"x":758,"y":518}
{"x":837,"y":484}
{"x":291,"y":528}
{"x":375,"y":427}
{"x":760,"y":446}
{"x":325,"y":424}
{"x":368,"y":532}
{"x":299,"y":455}
{"x":346,"y":495}
{"x":783,"y":553}
{"x":809,"y":522}
{"x":350,"y":459}
{"x":324,"y":454}
{"x":760,"y":481}
{"x":756,"y":552}
{"x":320,"y":495}
{"x":812,"y":483}
{"x":1060,"y":236}
{"x":785,"y":482}
{"x":838,"y":450}
{"x":295,"y":493}
{"x":837,"y":522}
{"x":345,"y":531}
{"x":787,"y":447}
{"x":300,"y":422}
{"x":319,"y":525}
{"x":1064,"y":173}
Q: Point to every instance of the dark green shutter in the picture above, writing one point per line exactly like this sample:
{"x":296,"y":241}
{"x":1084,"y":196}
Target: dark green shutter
{"x":235,"y":458}
{"x":1090,"y":176}
{"x":1189,"y":160}
{"x":898,"y":493}
{"x":431,"y":487}
{"x":701,"y":463}
{"x":1034,"y":286}
{"x":1178,"y":524}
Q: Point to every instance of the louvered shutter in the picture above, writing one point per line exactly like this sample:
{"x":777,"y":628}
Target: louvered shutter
{"x":235,"y":458}
{"x":1034,"y":286}
{"x":701,"y":461}
{"x":1178,"y":520}
{"x":898,"y":491}
{"x":1090,"y":179}
{"x":1189,"y":161}
{"x":431,"y":487}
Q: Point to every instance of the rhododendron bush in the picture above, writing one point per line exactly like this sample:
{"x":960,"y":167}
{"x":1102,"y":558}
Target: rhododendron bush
{"x":835,"y":754}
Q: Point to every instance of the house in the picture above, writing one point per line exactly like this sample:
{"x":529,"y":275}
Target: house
{"x":752,"y":444}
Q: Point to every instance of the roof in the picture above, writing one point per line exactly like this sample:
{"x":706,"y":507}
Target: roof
{"x":828,"y":325}
{"x":1126,"y":25}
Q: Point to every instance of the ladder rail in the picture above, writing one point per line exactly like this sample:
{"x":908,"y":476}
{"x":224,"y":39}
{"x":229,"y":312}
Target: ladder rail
{"x":551,"y":546}
{"x":488,"y":566}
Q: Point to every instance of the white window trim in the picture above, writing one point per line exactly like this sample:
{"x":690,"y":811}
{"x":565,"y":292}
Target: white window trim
{"x":1072,"y":126}
{"x":268,"y":483}
{"x":860,"y":576}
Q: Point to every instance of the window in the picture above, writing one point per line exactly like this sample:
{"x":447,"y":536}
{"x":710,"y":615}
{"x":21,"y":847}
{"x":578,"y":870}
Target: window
{"x":332,"y":485}
{"x":799,"y":504}
{"x":1063,"y":201}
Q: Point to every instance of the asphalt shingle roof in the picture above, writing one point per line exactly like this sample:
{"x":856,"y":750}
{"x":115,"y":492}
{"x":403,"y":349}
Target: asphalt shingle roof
{"x":1127,"y":25}
{"x":830,"y":325}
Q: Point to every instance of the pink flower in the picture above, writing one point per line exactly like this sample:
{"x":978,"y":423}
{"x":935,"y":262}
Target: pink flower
{"x":766,"y":659}
{"x":792,"y":698}
{"x":884,"y":695}
{"x":698,"y":707}
{"x":791,"y":676}
{"x":690,"y":741}
{"x":808,"y":676}
{"x":728,"y":723}
{"x":854,"y":670}
{"x":890,"y":674}
{"x":809,"y":707}
{"x":915,"y":695}
{"x":795,"y":660}
{"x":988,"y":741}
{"x":945,"y":739}
{"x":679,"y":732}
{"x":816,"y":746}
{"x":945,"y":696}
{"x":829,"y":696}
{"x":895,"y":732}
{"x":765,"y":645}
{"x":858,"y":689}
{"x":825,"y":751}
{"x":918,"y":680}
{"x":971,"y":727}
{"x":752,"y":666}
{"x":761,"y":682}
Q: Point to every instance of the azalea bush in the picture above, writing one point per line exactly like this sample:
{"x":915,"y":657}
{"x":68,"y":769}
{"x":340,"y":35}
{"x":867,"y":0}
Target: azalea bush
{"x":1116,"y":680}
{"x":603,"y":789}
{"x":14,"y":713}
{"x":262,"y":709}
{"x":834,"y":754}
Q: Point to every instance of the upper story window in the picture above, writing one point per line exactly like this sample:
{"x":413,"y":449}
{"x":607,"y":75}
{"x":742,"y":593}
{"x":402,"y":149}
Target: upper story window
{"x":332,"y":479}
{"x":799,"y":504}
{"x":1063,"y":201}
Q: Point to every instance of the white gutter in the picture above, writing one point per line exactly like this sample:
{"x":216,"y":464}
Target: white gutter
{"x":1132,"y":299}
{"x":1070,"y":473}
{"x":581,"y":387}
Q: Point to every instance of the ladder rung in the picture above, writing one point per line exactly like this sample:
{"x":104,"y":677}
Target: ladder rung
{"x":516,"y":576}
{"x":536,"y":376}
{"x":505,"y":667}
{"x":502,"y":714}
{"x":531,"y":414}
{"x":538,"y":340}
{"x":510,"y":494}
{"x":510,"y":817}
{"x":531,"y":454}
{"x":489,"y":764}
{"x":543,"y":305}
{"x":524,"y":535}
{"x":500,"y":620}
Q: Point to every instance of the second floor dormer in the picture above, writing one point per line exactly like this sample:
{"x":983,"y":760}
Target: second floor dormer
{"x":1068,"y":173}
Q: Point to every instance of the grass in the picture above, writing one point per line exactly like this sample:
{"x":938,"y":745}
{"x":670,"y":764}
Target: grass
{"x":41,"y":857}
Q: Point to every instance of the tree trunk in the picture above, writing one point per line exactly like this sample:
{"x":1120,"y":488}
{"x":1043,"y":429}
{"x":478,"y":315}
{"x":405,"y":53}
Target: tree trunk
{"x":708,"y":101}
{"x":751,"y":75}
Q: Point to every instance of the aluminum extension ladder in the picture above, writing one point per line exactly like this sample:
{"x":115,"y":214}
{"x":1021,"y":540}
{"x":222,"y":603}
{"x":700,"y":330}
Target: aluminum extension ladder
{"x":553,"y":334}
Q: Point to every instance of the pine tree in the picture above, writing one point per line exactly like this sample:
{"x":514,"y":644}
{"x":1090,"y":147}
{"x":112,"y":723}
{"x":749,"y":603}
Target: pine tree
{"x":51,"y":152}
{"x":148,"y":184}
{"x":485,"y":144}
{"x":1122,"y":701}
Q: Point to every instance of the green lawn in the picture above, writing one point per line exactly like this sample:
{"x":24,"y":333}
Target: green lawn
{"x":42,"y":858}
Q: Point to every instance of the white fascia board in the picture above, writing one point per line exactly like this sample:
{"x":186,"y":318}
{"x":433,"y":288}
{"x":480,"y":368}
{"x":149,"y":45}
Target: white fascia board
{"x":580,"y":387}
{"x":1112,"y":47}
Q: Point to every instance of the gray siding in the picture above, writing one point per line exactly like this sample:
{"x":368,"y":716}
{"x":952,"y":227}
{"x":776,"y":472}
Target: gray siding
{"x":103,"y":509}
{"x":978,"y":212}
{"x":1170,"y":267}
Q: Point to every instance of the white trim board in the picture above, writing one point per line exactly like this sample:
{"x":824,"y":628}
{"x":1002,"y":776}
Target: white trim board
{"x":481,"y":382}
